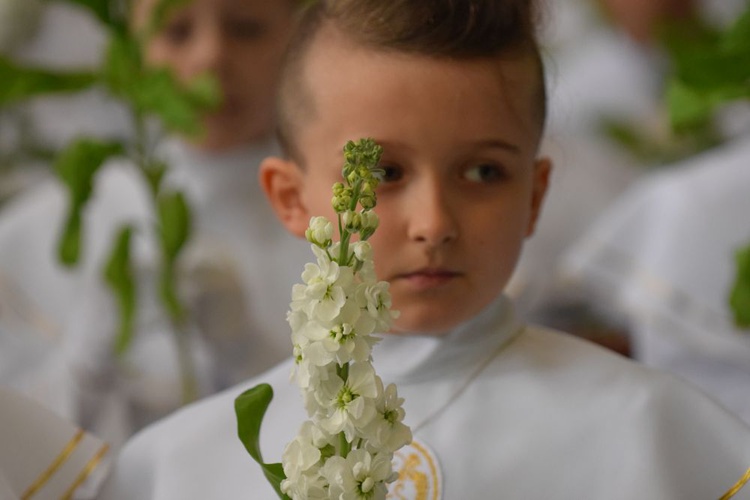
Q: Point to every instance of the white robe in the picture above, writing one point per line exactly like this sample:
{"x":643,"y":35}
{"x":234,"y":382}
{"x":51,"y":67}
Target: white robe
{"x":662,"y":258}
{"x":59,"y":325}
{"x":508,"y":412}
{"x":45,"y":457}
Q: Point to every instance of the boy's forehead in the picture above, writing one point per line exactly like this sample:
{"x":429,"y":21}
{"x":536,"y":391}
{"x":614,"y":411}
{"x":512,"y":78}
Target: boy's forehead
{"x":338,"y":70}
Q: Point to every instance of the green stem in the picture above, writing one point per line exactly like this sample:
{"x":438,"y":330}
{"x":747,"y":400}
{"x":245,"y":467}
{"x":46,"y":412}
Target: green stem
{"x":176,"y":315}
{"x":346,"y":236}
{"x":169,"y":297}
{"x":343,"y":371}
{"x":344,"y":247}
{"x":344,"y":445}
{"x":189,"y":382}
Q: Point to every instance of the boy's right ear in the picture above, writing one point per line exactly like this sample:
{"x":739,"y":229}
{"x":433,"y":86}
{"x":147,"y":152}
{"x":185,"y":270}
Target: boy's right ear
{"x":281,"y":180}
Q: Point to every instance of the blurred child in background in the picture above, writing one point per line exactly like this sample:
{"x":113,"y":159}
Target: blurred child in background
{"x":60,"y":346}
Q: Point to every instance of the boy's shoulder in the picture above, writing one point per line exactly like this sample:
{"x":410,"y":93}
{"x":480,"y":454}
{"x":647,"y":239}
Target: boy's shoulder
{"x":589,"y":372}
{"x":199,"y":437}
{"x":218,"y":409}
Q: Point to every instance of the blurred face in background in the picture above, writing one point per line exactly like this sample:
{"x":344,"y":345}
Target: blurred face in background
{"x":241,"y":42}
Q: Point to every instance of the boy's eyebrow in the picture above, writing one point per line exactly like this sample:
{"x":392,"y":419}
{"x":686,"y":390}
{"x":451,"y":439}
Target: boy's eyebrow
{"x":494,"y":143}
{"x":491,"y":143}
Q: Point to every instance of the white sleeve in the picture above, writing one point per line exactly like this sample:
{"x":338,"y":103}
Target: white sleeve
{"x":45,"y":456}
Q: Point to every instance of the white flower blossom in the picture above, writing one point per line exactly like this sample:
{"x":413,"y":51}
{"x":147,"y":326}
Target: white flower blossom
{"x":362,"y":250}
{"x":359,"y":476}
{"x":326,"y":290}
{"x":302,"y":453}
{"x":369,"y":223}
{"x":376,"y":299}
{"x":310,"y":486}
{"x":320,"y":232}
{"x":351,"y":403}
{"x":387,"y":430}
{"x":346,"y":340}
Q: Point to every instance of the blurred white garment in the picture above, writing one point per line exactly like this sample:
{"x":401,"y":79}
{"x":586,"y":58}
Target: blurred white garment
{"x":236,"y":276}
{"x":593,"y":71}
{"x":663,"y":257}
{"x":504,"y":410}
{"x":45,"y":457}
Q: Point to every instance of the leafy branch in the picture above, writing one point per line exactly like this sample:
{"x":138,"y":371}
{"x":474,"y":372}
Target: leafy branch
{"x":150,"y":94}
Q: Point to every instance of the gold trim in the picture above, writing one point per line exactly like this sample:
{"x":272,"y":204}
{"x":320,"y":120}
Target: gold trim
{"x":90,"y":466}
{"x":737,"y":486}
{"x":56,"y":464}
{"x":433,"y":467}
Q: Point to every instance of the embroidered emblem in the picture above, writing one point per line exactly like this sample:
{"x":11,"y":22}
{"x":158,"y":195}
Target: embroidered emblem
{"x":419,"y":474}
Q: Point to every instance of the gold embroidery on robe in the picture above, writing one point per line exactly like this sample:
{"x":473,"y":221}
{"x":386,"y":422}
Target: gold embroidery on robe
{"x":418,"y":474}
{"x":86,"y":472}
{"x":45,"y":476}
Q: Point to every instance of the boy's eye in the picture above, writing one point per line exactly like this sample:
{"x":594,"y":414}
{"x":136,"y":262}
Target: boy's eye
{"x":178,"y":31}
{"x":485,"y":173}
{"x":392,"y":173}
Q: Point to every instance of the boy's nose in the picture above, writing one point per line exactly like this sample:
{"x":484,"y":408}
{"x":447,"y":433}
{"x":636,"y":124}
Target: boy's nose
{"x":210,"y":51}
{"x":431,"y":216}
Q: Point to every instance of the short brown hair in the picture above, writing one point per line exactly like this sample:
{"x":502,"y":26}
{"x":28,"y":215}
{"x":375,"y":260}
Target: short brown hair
{"x":444,"y":29}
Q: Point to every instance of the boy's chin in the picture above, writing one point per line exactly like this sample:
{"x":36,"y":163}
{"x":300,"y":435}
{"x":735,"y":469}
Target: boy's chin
{"x":429,"y":327}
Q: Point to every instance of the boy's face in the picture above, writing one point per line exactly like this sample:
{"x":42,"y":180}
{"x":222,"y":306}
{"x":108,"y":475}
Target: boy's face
{"x":462,"y":188}
{"x":241,"y":42}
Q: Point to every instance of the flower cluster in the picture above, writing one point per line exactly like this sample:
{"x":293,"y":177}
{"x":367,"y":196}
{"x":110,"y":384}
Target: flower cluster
{"x":345,"y":449}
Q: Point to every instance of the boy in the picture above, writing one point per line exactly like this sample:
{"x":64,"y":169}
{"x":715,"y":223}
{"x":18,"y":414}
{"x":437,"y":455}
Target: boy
{"x":453,"y":92}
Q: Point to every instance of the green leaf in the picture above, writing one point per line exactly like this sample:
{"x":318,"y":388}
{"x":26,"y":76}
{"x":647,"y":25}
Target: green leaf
{"x":154,"y":175}
{"x":76,"y":167}
{"x":168,"y":292}
{"x":687,"y":107}
{"x":122,"y":65}
{"x":69,"y":244}
{"x":79,"y":162}
{"x":174,"y":223}
{"x":739,"y":298}
{"x":708,"y":68}
{"x":18,"y":82}
{"x":118,"y":273}
{"x":156,"y":91}
{"x":174,"y":231}
{"x":250,"y":408}
{"x":179,"y":108}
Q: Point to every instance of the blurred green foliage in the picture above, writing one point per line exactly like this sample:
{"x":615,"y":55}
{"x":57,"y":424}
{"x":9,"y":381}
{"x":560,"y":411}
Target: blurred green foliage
{"x":148,"y":93}
{"x":739,"y":298}
{"x":711,"y":69}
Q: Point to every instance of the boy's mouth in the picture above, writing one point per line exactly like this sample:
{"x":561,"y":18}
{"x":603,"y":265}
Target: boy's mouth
{"x":428,"y":277}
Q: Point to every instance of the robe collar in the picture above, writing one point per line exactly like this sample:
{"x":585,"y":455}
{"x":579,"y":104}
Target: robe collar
{"x":413,"y":358}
